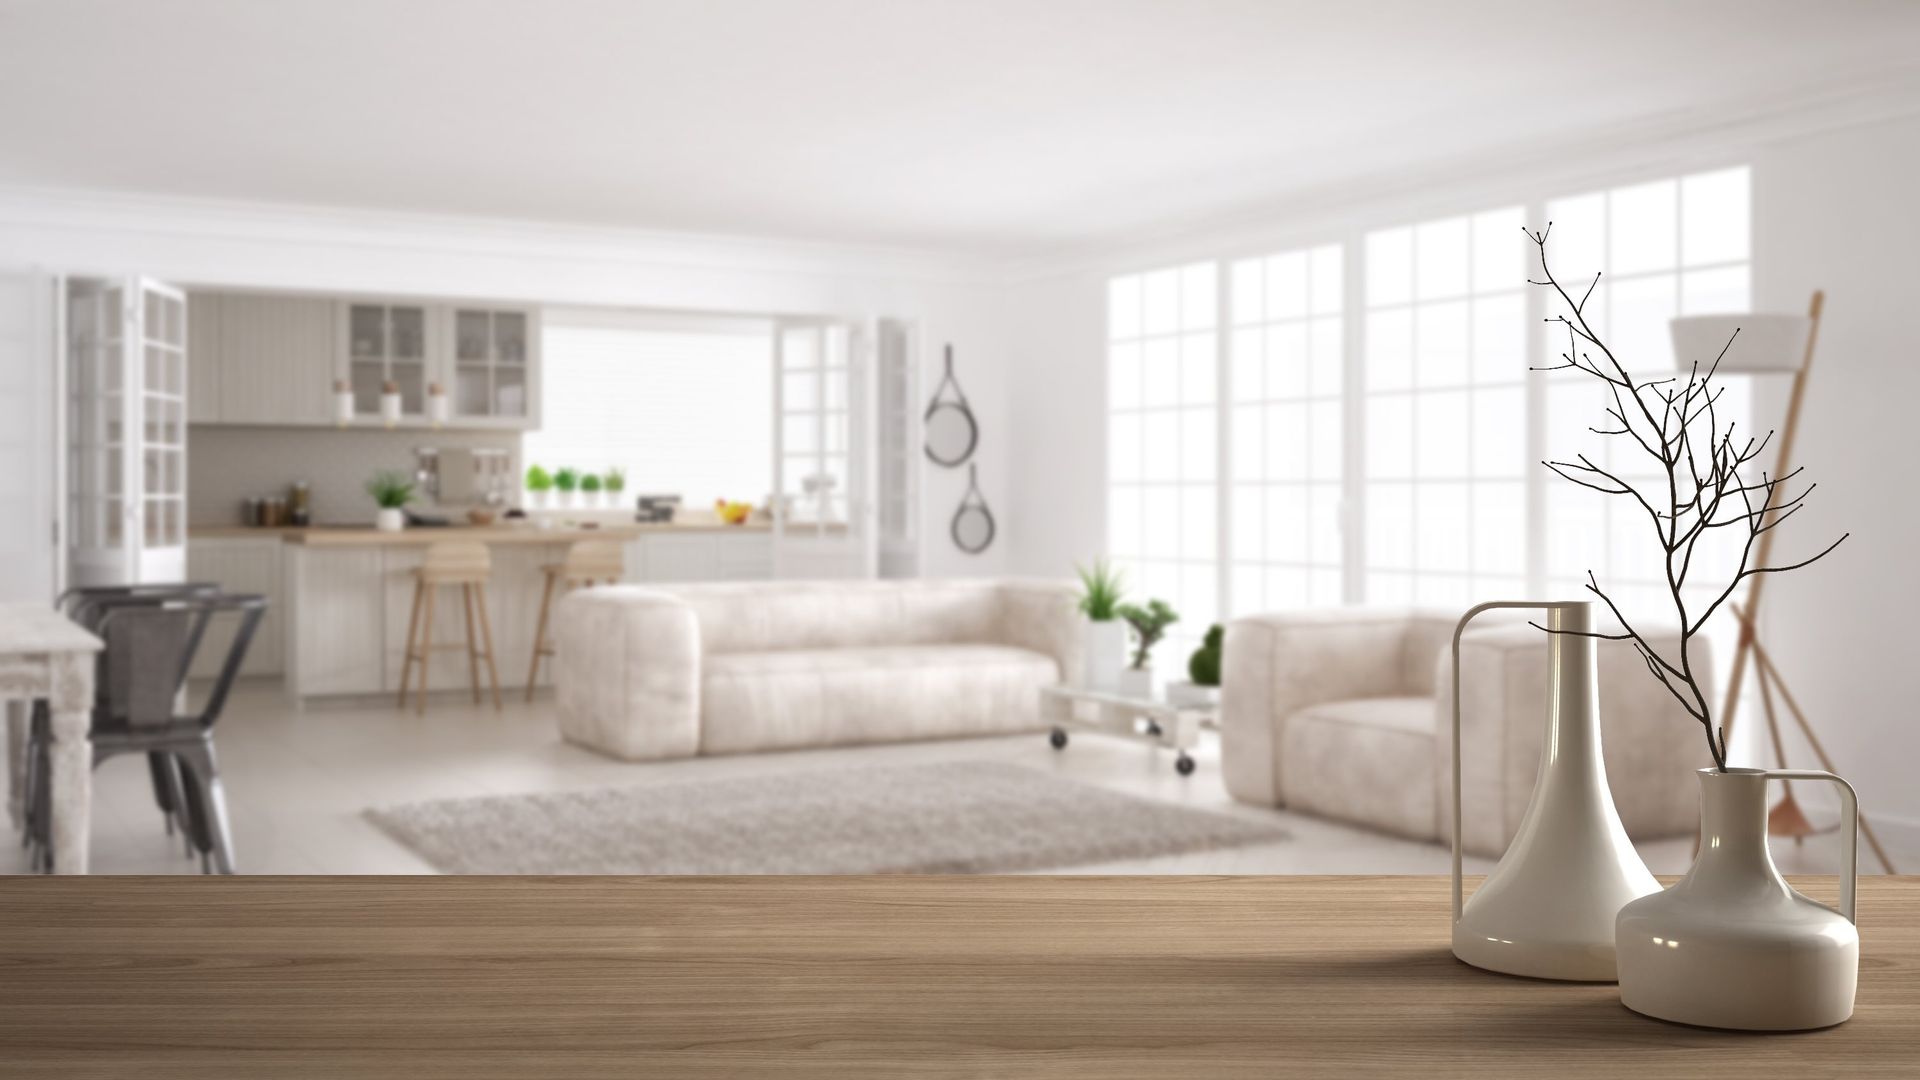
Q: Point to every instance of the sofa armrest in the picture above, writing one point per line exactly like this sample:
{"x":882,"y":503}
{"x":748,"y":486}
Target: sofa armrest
{"x":1276,"y":665}
{"x":1044,"y":616}
{"x":1649,"y":742}
{"x":626,"y":671}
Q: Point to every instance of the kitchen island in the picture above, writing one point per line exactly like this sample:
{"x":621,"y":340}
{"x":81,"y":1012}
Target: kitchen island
{"x":342,"y":595}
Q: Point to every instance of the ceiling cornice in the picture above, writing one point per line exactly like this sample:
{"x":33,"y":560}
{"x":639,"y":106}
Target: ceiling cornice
{"x":1677,"y":140}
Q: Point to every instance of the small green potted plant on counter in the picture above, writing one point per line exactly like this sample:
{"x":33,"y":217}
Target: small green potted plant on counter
{"x":392,"y":490}
{"x":616,"y":481}
{"x":1149,"y":625}
{"x":539,"y":483}
{"x":1101,"y":590}
{"x":565,"y":481}
{"x":590,"y":490}
{"x":1203,"y":673}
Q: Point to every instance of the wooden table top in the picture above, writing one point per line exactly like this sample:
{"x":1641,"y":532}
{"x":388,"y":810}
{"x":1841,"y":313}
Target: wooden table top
{"x":31,"y":627}
{"x":846,"y":977}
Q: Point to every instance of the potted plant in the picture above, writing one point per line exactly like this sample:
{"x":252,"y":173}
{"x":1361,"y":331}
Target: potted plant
{"x":392,"y":490}
{"x":564,"y":481}
{"x":1203,"y":671}
{"x":1149,"y":625}
{"x":1105,"y":635}
{"x":539,"y":483}
{"x":590,"y":489}
{"x":616,"y":481}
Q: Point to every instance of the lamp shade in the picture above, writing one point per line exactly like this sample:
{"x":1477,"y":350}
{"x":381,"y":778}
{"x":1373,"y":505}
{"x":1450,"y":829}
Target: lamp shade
{"x":1767,"y":345}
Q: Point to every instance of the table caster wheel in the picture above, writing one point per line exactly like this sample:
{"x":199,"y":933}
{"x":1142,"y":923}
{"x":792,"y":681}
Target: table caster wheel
{"x":1058,"y":737}
{"x":1183,"y":765}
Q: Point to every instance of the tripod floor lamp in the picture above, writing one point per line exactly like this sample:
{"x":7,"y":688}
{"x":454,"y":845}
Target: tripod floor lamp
{"x":1768,"y":345}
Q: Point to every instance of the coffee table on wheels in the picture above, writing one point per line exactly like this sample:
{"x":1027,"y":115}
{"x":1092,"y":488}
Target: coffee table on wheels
{"x":1158,"y":723}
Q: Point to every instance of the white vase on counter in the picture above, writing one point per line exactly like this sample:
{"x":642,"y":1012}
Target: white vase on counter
{"x":390,"y":519}
{"x":1106,"y":649}
{"x":1731,"y":945}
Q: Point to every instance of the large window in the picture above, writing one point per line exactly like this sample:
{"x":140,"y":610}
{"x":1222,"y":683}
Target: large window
{"x":1388,"y":381}
{"x":1444,"y":388}
{"x":1163,"y":441}
{"x":1286,"y":448}
{"x":686,"y":411}
{"x":1663,"y":248}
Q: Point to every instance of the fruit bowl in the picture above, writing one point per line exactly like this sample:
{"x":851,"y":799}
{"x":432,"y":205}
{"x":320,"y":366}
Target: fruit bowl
{"x":733,"y":513}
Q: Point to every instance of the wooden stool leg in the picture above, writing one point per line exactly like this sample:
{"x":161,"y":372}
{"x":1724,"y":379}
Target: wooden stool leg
{"x":486,"y":633}
{"x":473,"y":649}
{"x":413,"y":627}
{"x":426,"y":655}
{"x":539,"y":637}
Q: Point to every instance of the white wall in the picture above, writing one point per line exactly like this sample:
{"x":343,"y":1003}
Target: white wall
{"x":1837,"y":212}
{"x":213,"y":244}
{"x":1832,"y":210}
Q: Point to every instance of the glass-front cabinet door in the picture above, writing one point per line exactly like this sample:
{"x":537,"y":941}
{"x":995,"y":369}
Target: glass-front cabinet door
{"x":126,"y":431}
{"x":821,"y":456}
{"x":387,"y":343}
{"x":492,"y":353}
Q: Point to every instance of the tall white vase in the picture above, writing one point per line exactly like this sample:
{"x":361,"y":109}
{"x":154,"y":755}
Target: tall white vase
{"x":1106,"y":650}
{"x":1548,"y":908}
{"x":1731,"y":945}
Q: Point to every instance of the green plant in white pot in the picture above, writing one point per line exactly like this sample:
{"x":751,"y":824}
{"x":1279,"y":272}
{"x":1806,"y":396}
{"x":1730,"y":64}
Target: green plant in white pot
{"x":392,"y":491}
{"x":1105,"y":636}
{"x":1149,"y":625}
{"x":1202,"y":686}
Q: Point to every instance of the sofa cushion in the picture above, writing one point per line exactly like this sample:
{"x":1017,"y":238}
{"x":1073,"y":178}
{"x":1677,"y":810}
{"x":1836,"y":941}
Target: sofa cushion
{"x":1368,"y":761}
{"x":789,"y":698}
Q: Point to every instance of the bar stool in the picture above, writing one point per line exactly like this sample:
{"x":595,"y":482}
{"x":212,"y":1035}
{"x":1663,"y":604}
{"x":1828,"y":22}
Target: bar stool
{"x":588,"y":562}
{"x":456,"y":562}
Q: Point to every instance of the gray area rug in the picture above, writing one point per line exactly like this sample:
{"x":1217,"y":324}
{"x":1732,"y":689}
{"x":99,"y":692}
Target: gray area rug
{"x":945,"y":818}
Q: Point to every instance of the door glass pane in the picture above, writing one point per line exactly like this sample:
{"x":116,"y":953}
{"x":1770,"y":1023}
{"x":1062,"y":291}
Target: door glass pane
{"x":471,"y":331}
{"x":510,"y":391}
{"x":412,"y":377}
{"x":409,"y":335}
{"x":510,"y":337}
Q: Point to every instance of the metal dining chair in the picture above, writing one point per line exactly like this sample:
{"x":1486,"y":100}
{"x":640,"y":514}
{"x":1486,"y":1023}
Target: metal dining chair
{"x":149,"y":647}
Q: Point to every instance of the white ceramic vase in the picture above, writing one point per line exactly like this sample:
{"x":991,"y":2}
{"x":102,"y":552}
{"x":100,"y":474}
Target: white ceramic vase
{"x":1105,"y":654}
{"x":1547,"y":910}
{"x":1731,"y":945}
{"x":390,"y":519}
{"x":1191,"y":695}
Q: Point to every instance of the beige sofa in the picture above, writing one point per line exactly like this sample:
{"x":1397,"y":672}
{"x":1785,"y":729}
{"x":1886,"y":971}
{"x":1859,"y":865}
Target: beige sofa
{"x":645,"y":673}
{"x":1345,"y":714}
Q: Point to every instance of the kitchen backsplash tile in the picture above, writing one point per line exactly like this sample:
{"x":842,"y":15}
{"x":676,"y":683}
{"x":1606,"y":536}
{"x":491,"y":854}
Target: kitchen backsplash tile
{"x":227,"y":465}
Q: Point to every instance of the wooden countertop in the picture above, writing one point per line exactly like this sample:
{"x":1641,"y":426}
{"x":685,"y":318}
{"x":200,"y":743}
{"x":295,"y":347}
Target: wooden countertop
{"x":349,"y":536}
{"x":847,"y":977}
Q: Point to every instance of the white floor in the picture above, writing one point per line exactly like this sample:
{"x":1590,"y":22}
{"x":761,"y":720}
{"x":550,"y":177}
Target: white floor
{"x":297,"y":782}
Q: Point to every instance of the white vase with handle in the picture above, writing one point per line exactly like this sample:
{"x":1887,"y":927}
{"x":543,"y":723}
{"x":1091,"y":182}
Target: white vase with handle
{"x":1731,"y":945}
{"x":1106,"y":650}
{"x":1547,"y":911}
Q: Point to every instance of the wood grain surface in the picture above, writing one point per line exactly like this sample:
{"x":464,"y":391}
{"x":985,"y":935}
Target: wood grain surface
{"x":846,"y":977}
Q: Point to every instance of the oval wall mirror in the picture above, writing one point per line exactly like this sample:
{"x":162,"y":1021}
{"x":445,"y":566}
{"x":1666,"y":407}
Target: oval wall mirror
{"x":973,"y":526}
{"x":951,"y":431}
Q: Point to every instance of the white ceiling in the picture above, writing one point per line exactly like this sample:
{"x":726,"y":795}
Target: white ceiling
{"x":992,"y":127}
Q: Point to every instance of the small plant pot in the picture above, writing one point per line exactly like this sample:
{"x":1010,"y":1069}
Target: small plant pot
{"x":1136,"y":682}
{"x":1191,"y":695}
{"x":390,"y":519}
{"x":537,"y":500}
{"x":1104,"y":655}
{"x":563,"y":498}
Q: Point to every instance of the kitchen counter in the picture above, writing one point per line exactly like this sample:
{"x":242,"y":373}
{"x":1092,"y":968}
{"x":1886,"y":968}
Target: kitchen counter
{"x":354,"y":536}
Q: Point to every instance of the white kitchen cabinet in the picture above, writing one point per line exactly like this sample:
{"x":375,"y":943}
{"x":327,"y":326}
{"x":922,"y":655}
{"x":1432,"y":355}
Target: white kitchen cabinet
{"x":490,"y":368}
{"x":276,"y":354}
{"x":203,"y":357}
{"x":239,"y":565}
{"x":335,"y":611}
{"x":384,"y":342}
{"x":700,"y":556}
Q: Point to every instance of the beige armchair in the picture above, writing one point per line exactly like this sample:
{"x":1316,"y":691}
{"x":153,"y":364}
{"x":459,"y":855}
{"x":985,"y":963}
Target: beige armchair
{"x":1344,"y":714}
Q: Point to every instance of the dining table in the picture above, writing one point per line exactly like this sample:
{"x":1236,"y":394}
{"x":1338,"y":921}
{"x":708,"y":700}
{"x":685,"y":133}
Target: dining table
{"x":45,"y":656}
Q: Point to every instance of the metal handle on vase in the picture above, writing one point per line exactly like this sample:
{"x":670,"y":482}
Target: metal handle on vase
{"x":1850,"y":812}
{"x":1459,"y":904}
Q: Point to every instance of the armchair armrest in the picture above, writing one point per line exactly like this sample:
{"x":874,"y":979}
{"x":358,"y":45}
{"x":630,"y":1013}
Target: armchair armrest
{"x":626,"y":672}
{"x":1276,"y":665}
{"x":1044,"y":616}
